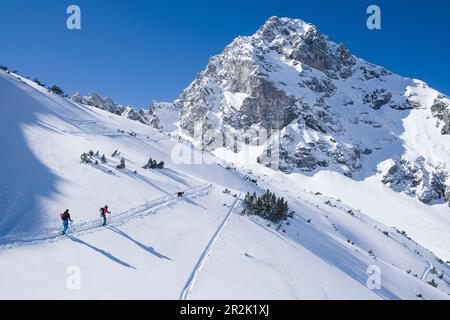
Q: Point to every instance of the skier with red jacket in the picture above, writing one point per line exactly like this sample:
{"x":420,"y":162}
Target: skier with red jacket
{"x":65,"y":217}
{"x":103,"y":212}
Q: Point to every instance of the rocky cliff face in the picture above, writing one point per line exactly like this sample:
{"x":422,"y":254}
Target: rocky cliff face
{"x":441,"y":111}
{"x":163,"y":116}
{"x":447,"y":196}
{"x":323,"y":108}
{"x":417,"y":178}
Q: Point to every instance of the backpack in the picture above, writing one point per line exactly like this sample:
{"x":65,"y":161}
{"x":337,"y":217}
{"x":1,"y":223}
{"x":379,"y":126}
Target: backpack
{"x":102,"y":211}
{"x":64,"y":216}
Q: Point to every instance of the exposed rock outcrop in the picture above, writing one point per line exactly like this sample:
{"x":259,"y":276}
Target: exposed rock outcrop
{"x":417,"y":178}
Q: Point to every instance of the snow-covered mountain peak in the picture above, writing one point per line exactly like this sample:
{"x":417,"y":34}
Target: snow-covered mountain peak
{"x":303,"y":42}
{"x":321,"y":107}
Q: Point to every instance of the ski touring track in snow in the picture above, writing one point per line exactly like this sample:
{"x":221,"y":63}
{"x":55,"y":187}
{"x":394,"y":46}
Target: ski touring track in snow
{"x":427,"y":271}
{"x":430,"y":265}
{"x":189,"y":286}
{"x":94,"y":225}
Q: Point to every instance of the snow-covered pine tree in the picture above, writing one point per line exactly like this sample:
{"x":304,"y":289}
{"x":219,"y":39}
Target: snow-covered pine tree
{"x":267,"y":206}
{"x":433,"y":283}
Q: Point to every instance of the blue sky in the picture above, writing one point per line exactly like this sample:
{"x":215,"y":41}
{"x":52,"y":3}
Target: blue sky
{"x":138,"y":50}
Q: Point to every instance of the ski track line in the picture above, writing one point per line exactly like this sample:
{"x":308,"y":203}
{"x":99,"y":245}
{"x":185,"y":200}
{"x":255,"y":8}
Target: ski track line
{"x":189,"y":286}
{"x":94,"y":225}
{"x":427,"y":271}
{"x":430,"y":265}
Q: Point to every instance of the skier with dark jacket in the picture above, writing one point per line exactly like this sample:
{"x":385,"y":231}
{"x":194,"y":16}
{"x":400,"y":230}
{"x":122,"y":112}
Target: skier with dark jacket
{"x":103,"y":212}
{"x":65,"y":217}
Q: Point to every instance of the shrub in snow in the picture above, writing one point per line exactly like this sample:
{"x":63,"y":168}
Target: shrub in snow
{"x":56,"y":90}
{"x":153,"y":164}
{"x":122,"y":164}
{"x":103,"y":159}
{"x":267,"y":206}
{"x":4,"y":68}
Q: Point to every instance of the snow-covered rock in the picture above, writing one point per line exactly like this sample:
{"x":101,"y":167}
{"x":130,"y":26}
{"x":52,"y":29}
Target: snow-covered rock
{"x":447,"y":196}
{"x":441,"y":111}
{"x":416,"y":178}
{"x":95,"y":100}
{"x":163,"y":116}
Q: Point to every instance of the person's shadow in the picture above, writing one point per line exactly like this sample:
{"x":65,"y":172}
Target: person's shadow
{"x":139,"y":244}
{"x":101,"y":251}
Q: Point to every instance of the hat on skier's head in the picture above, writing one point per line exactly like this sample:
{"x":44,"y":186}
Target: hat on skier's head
{"x":67,"y":210}
{"x":106,"y":206}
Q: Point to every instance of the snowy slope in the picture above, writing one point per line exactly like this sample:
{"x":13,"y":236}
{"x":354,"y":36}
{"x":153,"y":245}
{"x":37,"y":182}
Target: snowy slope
{"x":46,"y":135}
{"x":159,"y":246}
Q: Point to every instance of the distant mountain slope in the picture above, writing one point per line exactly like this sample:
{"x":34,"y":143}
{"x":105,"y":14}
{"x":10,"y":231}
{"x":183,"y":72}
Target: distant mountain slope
{"x":160,"y":115}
